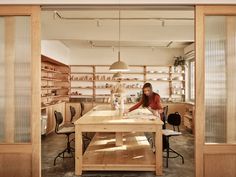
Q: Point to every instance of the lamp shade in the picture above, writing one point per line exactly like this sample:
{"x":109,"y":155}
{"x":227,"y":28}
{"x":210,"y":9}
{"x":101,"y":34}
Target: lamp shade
{"x":119,"y":66}
{"x":117,"y":75}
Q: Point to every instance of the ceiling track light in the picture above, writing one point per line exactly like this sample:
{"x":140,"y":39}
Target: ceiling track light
{"x":169,"y":44}
{"x":56,"y":13}
{"x":98,"y":23}
{"x":163,"y":23}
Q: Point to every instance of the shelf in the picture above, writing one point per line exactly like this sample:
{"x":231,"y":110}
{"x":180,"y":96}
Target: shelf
{"x":188,"y":116}
{"x":103,"y":88}
{"x":55,"y":96}
{"x":81,"y":87}
{"x":54,"y":88}
{"x":145,"y":73}
{"x":176,"y":73}
{"x":52,"y":71}
{"x":178,"y":80}
{"x":156,"y":73}
{"x":81,"y":96}
{"x":82,"y":80}
{"x":122,"y":73}
{"x":49,"y":79}
{"x":159,"y":80}
{"x":103,"y":96}
{"x":81,"y":73}
{"x":119,"y":80}
{"x":55,"y":80}
{"x":102,"y":153}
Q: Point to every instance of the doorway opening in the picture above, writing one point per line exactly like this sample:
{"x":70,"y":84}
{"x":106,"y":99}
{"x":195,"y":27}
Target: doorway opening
{"x":78,"y":46}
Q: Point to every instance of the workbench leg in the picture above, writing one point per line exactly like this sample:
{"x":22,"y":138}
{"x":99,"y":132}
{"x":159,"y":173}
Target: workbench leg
{"x":78,"y":151}
{"x":119,"y":138}
{"x":158,"y":145}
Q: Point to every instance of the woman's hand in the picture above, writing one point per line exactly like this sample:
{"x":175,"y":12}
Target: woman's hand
{"x":160,"y":111}
{"x":126,"y":112}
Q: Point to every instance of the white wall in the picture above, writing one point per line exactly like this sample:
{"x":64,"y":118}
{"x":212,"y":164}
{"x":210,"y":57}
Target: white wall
{"x":55,"y":50}
{"x":132,"y":56}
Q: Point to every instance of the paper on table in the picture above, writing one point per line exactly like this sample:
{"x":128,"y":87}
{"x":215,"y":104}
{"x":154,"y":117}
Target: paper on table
{"x":141,"y":114}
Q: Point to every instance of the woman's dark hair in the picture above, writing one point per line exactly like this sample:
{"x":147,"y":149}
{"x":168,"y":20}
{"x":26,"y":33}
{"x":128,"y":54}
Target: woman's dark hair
{"x":145,"y":98}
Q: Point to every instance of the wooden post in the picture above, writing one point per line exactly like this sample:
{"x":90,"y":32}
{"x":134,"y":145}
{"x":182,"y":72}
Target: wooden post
{"x":170,"y":82}
{"x":119,"y":138}
{"x":78,"y":151}
{"x":9,"y":78}
{"x":158,"y":145}
{"x":231,"y":79}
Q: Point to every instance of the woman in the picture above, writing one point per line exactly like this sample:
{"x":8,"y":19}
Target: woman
{"x":152,"y":101}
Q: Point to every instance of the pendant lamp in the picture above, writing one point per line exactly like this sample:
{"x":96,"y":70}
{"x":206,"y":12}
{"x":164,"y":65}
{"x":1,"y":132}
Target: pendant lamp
{"x":117,"y":75}
{"x":119,"y":66}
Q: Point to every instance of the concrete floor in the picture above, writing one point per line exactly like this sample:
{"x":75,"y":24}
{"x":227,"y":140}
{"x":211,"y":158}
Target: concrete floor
{"x":53,"y":144}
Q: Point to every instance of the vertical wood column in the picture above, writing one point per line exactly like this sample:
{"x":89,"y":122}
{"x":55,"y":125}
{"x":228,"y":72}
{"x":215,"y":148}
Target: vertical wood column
{"x":170,"y":82}
{"x":159,"y":154}
{"x":145,"y":74}
{"x":78,"y":151}
{"x":94,"y":85}
{"x":231,"y":79}
{"x":9,"y":78}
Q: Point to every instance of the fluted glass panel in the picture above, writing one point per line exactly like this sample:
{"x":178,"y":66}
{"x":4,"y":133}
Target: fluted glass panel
{"x":2,"y":80}
{"x":218,"y":97}
{"x":22,"y":79}
{"x":15,"y":79}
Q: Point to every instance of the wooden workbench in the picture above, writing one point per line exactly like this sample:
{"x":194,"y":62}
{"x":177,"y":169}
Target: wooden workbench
{"x":104,"y":153}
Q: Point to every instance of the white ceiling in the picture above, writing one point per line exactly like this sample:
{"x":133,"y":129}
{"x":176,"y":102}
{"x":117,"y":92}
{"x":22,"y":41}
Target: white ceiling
{"x":134,"y":33}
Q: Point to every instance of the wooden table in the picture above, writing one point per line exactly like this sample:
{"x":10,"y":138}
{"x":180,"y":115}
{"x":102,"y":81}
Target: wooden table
{"x":131,"y":152}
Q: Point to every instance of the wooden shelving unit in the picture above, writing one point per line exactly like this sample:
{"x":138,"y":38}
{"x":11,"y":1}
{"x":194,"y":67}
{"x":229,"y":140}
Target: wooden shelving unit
{"x":55,"y":82}
{"x":91,"y":80}
{"x":189,"y":117}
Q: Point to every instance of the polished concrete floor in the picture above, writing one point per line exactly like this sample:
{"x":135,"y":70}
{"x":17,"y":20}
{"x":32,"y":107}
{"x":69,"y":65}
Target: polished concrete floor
{"x":53,"y":144}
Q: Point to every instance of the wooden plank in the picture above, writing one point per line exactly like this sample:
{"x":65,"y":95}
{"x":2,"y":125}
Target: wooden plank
{"x":231,"y":79}
{"x":9,"y":79}
{"x":119,"y":138}
{"x":220,"y":149}
{"x":199,"y":92}
{"x":117,"y":128}
{"x":16,"y":148}
{"x":11,"y":167}
{"x":220,"y":165}
{"x":36,"y":90}
{"x":78,"y":152}
{"x":134,"y":155}
{"x":158,"y":145}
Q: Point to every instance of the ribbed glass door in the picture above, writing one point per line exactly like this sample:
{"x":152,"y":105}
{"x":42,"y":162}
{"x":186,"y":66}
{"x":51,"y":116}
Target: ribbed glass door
{"x":220,"y":79}
{"x":20,"y":65}
{"x":15,"y":79}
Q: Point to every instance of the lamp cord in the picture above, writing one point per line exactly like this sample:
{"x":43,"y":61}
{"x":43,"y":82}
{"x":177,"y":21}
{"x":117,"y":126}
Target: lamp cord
{"x":119,"y":33}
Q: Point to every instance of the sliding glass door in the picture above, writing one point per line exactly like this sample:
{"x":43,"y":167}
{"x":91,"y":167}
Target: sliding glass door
{"x":215,"y":91}
{"x":20,"y":91}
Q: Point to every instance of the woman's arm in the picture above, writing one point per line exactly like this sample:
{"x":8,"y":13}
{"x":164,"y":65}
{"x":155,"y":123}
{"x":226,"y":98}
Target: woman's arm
{"x":136,"y":106}
{"x":158,"y":103}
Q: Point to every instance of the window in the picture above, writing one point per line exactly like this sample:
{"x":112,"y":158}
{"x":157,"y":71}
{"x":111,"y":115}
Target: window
{"x":191,"y":80}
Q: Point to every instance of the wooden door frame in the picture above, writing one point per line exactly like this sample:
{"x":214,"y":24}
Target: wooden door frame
{"x":34,"y":147}
{"x":200,"y":147}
